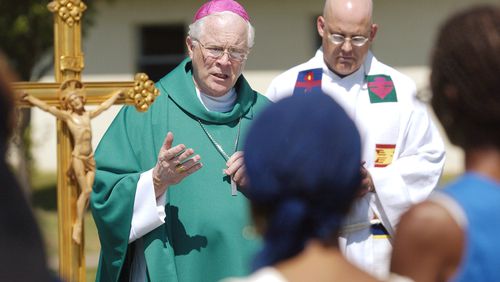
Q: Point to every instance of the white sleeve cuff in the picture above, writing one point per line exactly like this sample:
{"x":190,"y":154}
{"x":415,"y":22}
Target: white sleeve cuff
{"x":149,"y":212}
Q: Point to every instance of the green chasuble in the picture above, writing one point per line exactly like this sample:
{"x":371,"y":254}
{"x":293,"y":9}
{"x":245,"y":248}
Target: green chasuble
{"x":206,"y":232}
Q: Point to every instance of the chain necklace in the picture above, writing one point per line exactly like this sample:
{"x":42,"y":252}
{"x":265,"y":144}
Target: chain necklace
{"x":234,"y":187}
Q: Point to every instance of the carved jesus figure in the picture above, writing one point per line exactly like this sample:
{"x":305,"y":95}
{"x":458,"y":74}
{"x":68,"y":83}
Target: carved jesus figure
{"x":78,"y":121}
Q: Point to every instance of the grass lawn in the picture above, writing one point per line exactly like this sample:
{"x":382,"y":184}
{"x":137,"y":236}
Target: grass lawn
{"x":45,"y":207}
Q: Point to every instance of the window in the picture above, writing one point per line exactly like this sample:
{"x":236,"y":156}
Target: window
{"x":162,"y":48}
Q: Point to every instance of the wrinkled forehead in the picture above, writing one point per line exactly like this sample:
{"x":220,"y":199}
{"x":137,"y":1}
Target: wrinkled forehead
{"x":225,"y":28}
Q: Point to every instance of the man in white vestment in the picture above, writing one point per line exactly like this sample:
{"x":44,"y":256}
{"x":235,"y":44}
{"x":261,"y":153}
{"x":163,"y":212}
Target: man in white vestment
{"x":403,"y":153}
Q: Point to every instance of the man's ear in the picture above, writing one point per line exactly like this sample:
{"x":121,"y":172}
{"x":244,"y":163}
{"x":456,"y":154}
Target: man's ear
{"x":373,"y":31}
{"x":189,"y":44}
{"x":320,"y":25}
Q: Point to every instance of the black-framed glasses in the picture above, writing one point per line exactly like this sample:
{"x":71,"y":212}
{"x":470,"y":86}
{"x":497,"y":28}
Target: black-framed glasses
{"x":339,"y":39}
{"x":215,"y":52}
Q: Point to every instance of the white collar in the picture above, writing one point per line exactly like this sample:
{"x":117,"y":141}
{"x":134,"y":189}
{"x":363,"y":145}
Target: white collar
{"x":224,"y":103}
{"x":356,"y":77}
{"x":368,"y":65}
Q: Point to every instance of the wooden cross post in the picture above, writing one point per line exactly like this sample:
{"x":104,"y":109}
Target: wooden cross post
{"x":68,"y":65}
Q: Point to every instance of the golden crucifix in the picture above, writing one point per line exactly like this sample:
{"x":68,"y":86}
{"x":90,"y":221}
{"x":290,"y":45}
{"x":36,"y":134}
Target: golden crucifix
{"x":66,"y":99}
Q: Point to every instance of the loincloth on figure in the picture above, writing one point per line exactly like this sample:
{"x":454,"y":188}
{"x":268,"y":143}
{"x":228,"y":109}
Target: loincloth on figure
{"x":88,"y":164}
{"x":88,"y":161}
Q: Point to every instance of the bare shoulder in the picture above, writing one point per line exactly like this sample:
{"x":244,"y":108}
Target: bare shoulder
{"x":428,"y":223}
{"x":428,"y":243}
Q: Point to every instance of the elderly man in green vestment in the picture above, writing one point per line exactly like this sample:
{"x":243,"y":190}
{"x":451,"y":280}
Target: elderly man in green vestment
{"x":167,"y":198}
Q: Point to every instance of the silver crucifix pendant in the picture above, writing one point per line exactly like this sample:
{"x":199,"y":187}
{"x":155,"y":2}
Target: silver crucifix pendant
{"x":234,"y":188}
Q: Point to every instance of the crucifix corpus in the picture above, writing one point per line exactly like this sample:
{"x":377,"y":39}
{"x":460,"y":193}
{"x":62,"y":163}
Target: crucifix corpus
{"x":66,"y":100}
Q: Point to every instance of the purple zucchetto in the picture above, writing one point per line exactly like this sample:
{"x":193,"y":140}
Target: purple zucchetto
{"x":216,"y":6}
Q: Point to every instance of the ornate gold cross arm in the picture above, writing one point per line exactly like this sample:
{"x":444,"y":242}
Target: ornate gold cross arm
{"x":140,"y":92}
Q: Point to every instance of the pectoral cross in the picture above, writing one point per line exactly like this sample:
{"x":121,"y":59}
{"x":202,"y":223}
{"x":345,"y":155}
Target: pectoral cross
{"x":68,"y":66}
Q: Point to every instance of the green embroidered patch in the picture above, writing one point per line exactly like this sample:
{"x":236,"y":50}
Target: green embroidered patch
{"x":381,"y":89}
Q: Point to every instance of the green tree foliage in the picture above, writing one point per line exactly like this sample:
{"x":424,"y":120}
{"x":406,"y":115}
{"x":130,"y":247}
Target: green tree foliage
{"x":25,"y":33}
{"x":26,"y":36}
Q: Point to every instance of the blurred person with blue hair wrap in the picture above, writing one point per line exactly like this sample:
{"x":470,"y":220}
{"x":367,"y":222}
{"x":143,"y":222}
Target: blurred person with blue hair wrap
{"x":304,"y":174}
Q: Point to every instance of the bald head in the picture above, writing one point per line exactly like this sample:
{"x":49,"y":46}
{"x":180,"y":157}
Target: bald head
{"x":347,"y":19}
{"x":348,"y":10}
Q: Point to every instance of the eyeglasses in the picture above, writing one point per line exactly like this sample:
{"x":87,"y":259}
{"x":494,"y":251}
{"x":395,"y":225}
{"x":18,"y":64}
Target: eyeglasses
{"x":339,"y":39}
{"x":215,"y":52}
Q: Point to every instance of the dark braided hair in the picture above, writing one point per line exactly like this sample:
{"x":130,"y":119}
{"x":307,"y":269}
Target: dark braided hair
{"x":302,"y":157}
{"x":465,"y":78}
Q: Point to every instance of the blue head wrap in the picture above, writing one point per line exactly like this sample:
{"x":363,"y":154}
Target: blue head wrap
{"x":302,"y":157}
